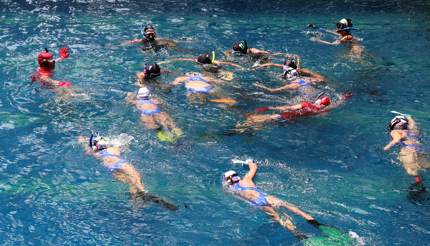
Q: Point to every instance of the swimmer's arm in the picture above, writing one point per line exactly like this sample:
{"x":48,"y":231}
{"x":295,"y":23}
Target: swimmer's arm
{"x":336,"y":42}
{"x":251,"y":173}
{"x":395,"y":139}
{"x":412,"y":124}
{"x":309,"y":73}
{"x":332,"y":32}
{"x":269,"y":65}
{"x":258,"y":52}
{"x":179,"y":80}
{"x":134,"y":41}
{"x":178,"y":59}
{"x":279,"y":89}
{"x":83,"y":141}
{"x":287,"y":107}
{"x":130,"y":98}
{"x":229,"y":63}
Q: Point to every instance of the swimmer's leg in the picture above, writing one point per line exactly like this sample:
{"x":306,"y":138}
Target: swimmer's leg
{"x":200,"y":98}
{"x":285,"y":221}
{"x":128,"y":174}
{"x":278,"y":203}
{"x":410,"y":162}
{"x":149,"y":122}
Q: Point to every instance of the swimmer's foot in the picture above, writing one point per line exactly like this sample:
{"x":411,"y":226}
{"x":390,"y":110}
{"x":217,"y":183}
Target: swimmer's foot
{"x":148,"y":197}
{"x":286,"y":222}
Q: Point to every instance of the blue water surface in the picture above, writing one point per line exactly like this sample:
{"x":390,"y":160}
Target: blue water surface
{"x":332,"y":166}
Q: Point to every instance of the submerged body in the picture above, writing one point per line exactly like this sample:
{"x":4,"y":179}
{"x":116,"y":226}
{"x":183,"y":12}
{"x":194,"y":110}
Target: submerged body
{"x":404,"y":132}
{"x":247,"y":190}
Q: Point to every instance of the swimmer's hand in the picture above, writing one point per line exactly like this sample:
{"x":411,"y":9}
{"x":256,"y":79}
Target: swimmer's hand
{"x":313,"y":39}
{"x":82,"y":139}
{"x":246,"y":162}
{"x":259,"y":85}
{"x":402,"y":114}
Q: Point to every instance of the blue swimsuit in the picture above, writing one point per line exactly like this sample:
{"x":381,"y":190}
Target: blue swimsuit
{"x":303,"y":84}
{"x":148,"y":112}
{"x":414,"y":137}
{"x":198,"y":77}
{"x":259,"y":202}
{"x":117,"y":165}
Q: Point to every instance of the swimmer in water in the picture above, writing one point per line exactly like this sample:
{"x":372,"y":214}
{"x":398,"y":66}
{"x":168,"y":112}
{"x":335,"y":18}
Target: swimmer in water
{"x":404,"y":131}
{"x":199,"y":87}
{"x":150,"y":113}
{"x":150,"y":40}
{"x":122,"y":170}
{"x":241,"y":48}
{"x":149,"y":73}
{"x":344,"y":36}
{"x":45,"y":72}
{"x":247,"y":190}
{"x":210,"y":65}
{"x":287,"y":112}
{"x":302,"y":81}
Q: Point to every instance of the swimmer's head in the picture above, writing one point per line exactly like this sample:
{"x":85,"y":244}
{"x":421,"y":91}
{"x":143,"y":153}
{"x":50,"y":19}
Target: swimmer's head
{"x":290,"y":61}
{"x":399,"y":123}
{"x":324,"y":101}
{"x":289,"y":73}
{"x":45,"y":58}
{"x":149,"y":32}
{"x":344,"y":25}
{"x":143,"y":93}
{"x":241,"y":47}
{"x":207,"y":58}
{"x":231,"y":177}
{"x":152,"y":71}
{"x":98,"y":142}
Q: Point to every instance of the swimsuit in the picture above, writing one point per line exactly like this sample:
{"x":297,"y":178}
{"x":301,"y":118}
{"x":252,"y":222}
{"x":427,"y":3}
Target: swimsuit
{"x":148,"y":112}
{"x":259,"y":202}
{"x":198,"y":77}
{"x":303,"y":86}
{"x":117,"y":165}
{"x":410,"y":135}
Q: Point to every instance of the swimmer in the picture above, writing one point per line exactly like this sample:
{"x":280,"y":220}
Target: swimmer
{"x":302,"y":84}
{"x":210,"y":65}
{"x":150,"y":42}
{"x":149,"y":73}
{"x":122,"y":170}
{"x":404,"y":131}
{"x":293,"y":62}
{"x":45,"y":72}
{"x":150,"y":114}
{"x":241,"y":48}
{"x":344,"y":36}
{"x":247,"y":190}
{"x":199,"y":87}
{"x":287,"y":112}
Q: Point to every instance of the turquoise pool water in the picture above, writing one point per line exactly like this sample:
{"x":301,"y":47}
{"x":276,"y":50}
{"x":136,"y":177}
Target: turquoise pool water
{"x":332,"y":166}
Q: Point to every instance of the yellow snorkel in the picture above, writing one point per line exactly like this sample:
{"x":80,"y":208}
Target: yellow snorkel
{"x":213,"y":57}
